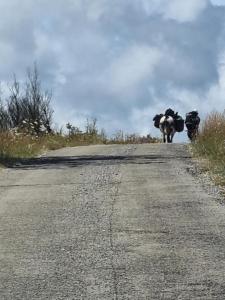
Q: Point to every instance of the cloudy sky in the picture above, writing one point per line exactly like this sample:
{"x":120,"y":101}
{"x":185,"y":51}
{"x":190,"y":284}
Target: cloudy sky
{"x":121,"y":61}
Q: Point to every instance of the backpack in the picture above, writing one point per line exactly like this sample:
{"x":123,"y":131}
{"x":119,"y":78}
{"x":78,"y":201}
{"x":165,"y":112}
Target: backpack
{"x":179,"y":123}
{"x":169,"y":112}
{"x":192,"y":120}
{"x":157,"y":119}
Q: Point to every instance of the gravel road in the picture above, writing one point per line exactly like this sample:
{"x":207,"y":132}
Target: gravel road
{"x":110,"y":222}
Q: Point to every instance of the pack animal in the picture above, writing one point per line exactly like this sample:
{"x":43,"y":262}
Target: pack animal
{"x":167,"y":127}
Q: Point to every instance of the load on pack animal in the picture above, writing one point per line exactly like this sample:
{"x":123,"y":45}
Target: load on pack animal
{"x":169,"y":123}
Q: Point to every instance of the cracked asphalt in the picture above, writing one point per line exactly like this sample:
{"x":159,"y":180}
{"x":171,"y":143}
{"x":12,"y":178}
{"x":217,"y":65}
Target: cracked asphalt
{"x":110,"y":222}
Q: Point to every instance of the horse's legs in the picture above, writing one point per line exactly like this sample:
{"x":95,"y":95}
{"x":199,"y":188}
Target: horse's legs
{"x":172,"y":136}
{"x":169,"y":139}
{"x":164,"y":137}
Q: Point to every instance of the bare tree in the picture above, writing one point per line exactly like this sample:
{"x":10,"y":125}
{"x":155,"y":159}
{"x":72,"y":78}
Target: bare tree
{"x":4,"y":118}
{"x":91,"y":127}
{"x":15,"y":107}
{"x":32,"y":108}
{"x":37,"y":106}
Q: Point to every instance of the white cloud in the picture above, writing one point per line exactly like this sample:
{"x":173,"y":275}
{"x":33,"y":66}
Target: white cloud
{"x":215,"y":99}
{"x":184,"y":11}
{"x":134,"y":65}
{"x":205,"y":101}
{"x":121,"y":61}
{"x":178,"y":10}
{"x":218,"y":2}
{"x":95,"y":9}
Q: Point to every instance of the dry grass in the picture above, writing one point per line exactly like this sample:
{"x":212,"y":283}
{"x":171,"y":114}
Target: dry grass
{"x":14,"y":145}
{"x":210,"y":145}
{"x":20,"y":145}
{"x":121,"y":138}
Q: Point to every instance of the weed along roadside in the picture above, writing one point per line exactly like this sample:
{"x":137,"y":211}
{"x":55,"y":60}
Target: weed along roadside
{"x":17,"y":145}
{"x":209,"y":148}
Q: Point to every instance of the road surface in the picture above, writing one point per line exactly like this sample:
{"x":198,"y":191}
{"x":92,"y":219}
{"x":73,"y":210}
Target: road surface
{"x":110,"y":222}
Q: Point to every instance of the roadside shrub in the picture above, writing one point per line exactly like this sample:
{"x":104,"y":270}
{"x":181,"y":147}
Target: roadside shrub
{"x":121,"y":138}
{"x":210,"y":145}
{"x":28,"y":108}
{"x":211,"y":140}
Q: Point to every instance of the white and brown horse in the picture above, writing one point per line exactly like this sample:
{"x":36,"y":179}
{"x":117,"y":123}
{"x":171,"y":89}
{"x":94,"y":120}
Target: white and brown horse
{"x":167,"y":127}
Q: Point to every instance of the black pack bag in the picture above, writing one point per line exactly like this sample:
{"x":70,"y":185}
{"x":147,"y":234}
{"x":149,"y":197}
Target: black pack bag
{"x":169,"y":112}
{"x":179,"y":123}
{"x":157,"y":119}
{"x":192,"y":120}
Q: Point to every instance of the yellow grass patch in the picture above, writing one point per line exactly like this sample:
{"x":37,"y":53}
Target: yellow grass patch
{"x":210,"y":145}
